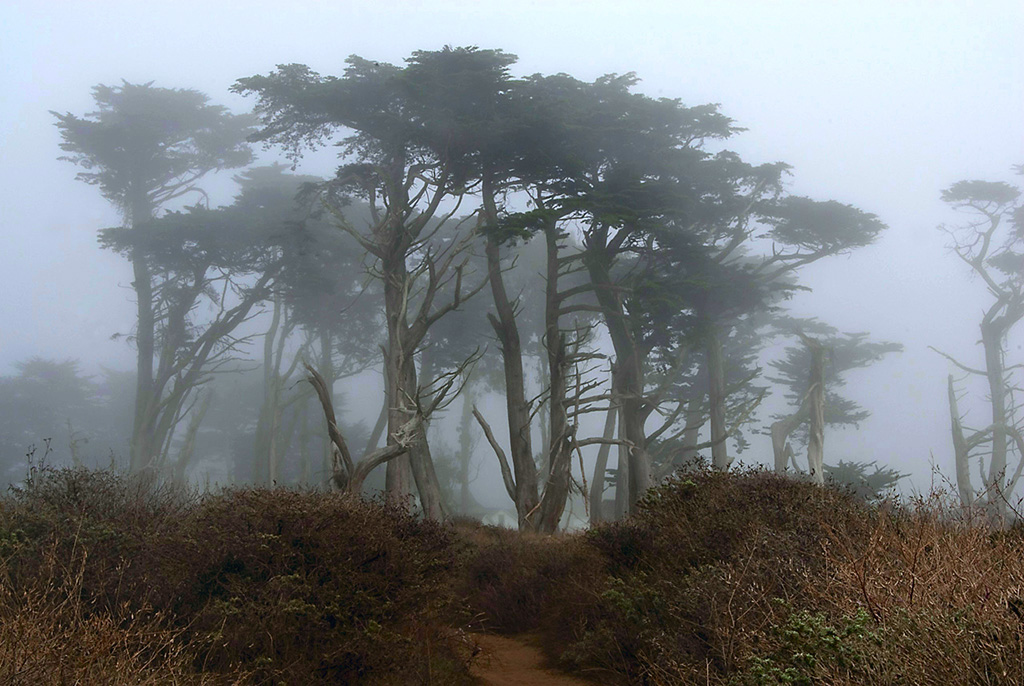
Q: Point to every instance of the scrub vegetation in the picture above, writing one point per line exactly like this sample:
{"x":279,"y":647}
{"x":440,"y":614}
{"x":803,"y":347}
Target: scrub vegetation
{"x":722,"y":578}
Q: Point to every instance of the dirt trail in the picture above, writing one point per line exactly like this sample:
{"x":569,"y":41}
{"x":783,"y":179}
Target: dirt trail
{"x":517,"y":662}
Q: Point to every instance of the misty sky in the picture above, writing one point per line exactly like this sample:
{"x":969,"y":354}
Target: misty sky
{"x":876,"y":104}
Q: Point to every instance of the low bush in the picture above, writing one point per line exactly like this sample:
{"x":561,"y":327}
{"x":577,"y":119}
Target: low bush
{"x":748,"y":578}
{"x":246,"y":586}
{"x":507,"y":578}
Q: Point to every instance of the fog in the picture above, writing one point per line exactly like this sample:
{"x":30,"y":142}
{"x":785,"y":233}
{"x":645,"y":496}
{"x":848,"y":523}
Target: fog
{"x":878,"y":105}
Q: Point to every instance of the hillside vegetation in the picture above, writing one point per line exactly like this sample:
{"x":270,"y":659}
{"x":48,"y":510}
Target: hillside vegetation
{"x":733,"y":579}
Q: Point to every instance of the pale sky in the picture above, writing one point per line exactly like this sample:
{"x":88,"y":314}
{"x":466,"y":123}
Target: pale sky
{"x":877,"y":104}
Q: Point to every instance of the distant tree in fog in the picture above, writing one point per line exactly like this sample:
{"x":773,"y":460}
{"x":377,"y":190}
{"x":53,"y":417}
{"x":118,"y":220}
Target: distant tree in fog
{"x":145,"y":147}
{"x":991,"y":244}
{"x":50,"y":403}
{"x":838,"y":354}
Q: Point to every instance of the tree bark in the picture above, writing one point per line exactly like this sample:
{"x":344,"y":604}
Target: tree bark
{"x":516,"y":406}
{"x":961,"y":453}
{"x":716,"y":399}
{"x":816,"y":439}
{"x":597,"y":513}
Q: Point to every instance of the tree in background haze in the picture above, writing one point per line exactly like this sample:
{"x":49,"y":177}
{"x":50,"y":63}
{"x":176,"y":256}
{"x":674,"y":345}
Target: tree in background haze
{"x":991,"y":244}
{"x":824,"y":352}
{"x":145,"y":147}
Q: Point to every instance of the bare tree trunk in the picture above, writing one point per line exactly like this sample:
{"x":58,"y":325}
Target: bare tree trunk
{"x":991,"y":339}
{"x":622,"y":476}
{"x":188,"y":447}
{"x":691,"y":431}
{"x":465,"y":449}
{"x":716,"y":399}
{"x":597,"y":513}
{"x":326,"y":366}
{"x":378,"y":427}
{"x":422,"y":464}
{"x":398,"y":479}
{"x":961,"y":452}
{"x":816,"y":440}
{"x":305,"y":466}
{"x":142,"y":448}
{"x":629,"y":366}
{"x":780,"y":432}
{"x":270,"y":415}
{"x":556,"y":486}
{"x":516,"y":406}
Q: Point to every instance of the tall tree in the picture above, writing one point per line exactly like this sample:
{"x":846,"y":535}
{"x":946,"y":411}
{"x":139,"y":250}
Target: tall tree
{"x":145,"y":147}
{"x":211,"y":269}
{"x":405,"y":157}
{"x":991,"y":244}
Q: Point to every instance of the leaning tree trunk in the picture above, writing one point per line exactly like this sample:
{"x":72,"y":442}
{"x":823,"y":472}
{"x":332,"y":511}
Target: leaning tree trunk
{"x":629,"y":369}
{"x":556,"y":487}
{"x":597,"y":511}
{"x":421,"y":463}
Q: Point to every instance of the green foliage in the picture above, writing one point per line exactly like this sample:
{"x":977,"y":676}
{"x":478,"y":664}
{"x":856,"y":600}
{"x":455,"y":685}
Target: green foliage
{"x":807,"y":642}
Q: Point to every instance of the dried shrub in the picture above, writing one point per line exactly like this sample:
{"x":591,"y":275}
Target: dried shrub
{"x":307,"y":587}
{"x":247,"y":586}
{"x":507,"y":578}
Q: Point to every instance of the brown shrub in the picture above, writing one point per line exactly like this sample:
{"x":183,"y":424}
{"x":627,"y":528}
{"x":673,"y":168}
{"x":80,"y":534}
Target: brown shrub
{"x":506,"y":578}
{"x":253,"y":586}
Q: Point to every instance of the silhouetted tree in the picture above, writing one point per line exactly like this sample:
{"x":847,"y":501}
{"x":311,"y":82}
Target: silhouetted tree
{"x":823,"y":352}
{"x":404,"y":158}
{"x":991,"y":244}
{"x":145,"y":147}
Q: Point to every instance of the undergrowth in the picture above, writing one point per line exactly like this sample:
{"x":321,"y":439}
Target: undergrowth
{"x":735,"y":579}
{"x":142,"y":584}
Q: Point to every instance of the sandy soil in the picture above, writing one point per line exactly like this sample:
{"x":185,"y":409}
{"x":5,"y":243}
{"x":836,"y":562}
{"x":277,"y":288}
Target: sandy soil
{"x":517,"y":661}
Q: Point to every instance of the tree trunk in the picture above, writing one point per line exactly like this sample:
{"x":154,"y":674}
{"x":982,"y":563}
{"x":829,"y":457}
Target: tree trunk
{"x":465,"y":449}
{"x":398,"y":478}
{"x":622,"y":476}
{"x":629,"y":364}
{"x":597,"y":513}
{"x":516,"y":406}
{"x":691,"y":431}
{"x":422,"y":464}
{"x":716,"y":399}
{"x":188,"y":447}
{"x":142,"y":451}
{"x":816,"y":439}
{"x":559,"y":450}
{"x":961,"y":452}
{"x":992,"y":338}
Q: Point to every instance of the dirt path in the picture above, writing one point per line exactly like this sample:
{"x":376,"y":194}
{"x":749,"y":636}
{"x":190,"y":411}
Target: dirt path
{"x":517,"y":662}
